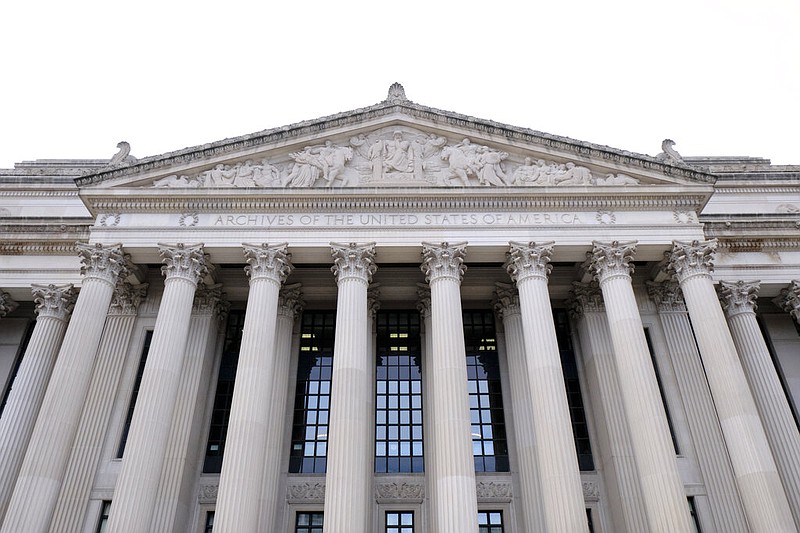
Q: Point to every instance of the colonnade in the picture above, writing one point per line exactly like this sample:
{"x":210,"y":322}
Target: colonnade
{"x":44,"y":451}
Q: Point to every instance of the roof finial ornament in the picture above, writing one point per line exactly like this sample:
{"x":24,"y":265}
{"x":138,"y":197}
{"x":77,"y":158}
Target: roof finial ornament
{"x":123,"y":156}
{"x":397,"y":94}
{"x":670,"y":155}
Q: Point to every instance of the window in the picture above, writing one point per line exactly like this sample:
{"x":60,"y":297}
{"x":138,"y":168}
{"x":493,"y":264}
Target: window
{"x":572,"y":384}
{"x":312,"y":397}
{"x":661,"y":389}
{"x":589,"y":520}
{"x":490,"y":522}
{"x":134,"y":394}
{"x":102,"y":523}
{"x":399,"y":522}
{"x":398,"y":400}
{"x":220,"y":415}
{"x":308,"y":523}
{"x":209,"y":522}
{"x":489,"y":444}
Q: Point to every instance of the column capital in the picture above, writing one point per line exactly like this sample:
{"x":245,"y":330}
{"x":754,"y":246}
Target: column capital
{"x":7,"y":304}
{"x":689,"y":259}
{"x":738,"y":297}
{"x":506,"y":300}
{"x":789,"y":299}
{"x":183,"y":261}
{"x":586,"y":298}
{"x":443,"y":260}
{"x":373,"y":299}
{"x":529,"y":260}
{"x":103,"y":262}
{"x":209,"y":300}
{"x":272,"y":263}
{"x":353,"y":261}
{"x":54,"y":301}
{"x":424,"y":299}
{"x":612,"y":259}
{"x":127,"y":298}
{"x":290,"y":300}
{"x":667,"y":296}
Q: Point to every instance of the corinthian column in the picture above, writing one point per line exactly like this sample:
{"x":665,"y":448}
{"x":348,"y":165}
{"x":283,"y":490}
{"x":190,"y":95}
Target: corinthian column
{"x":662,"y":490}
{"x":508,"y":309}
{"x":789,"y":300}
{"x":290,"y":305}
{"x":452,"y":467}
{"x":763,"y":496}
{"x":616,"y":451}
{"x":739,"y":301}
{"x":42,"y":470}
{"x":182,"y":457}
{"x":347,"y":498}
{"x":562,"y":495}
{"x":53,"y":306}
{"x":137,"y":485}
{"x":709,"y":444}
{"x":71,"y":507}
{"x":253,"y":417}
{"x":424,"y":308}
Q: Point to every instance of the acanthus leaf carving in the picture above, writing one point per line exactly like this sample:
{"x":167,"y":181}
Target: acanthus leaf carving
{"x":306,"y":492}
{"x":54,"y":301}
{"x":399,"y":491}
{"x":738,"y":297}
{"x":7,"y":304}
{"x":494,"y":491}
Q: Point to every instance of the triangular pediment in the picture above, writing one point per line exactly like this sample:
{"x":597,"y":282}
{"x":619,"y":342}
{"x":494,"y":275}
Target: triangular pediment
{"x":396,"y":144}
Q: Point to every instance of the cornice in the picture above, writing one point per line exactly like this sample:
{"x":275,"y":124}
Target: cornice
{"x":39,"y":248}
{"x":366,"y":200}
{"x":356,"y":117}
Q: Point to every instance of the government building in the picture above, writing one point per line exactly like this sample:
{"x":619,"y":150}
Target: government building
{"x":400,"y":319}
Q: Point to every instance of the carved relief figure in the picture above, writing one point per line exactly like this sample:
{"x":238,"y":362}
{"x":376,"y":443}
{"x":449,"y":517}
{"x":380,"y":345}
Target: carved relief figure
{"x":395,"y":157}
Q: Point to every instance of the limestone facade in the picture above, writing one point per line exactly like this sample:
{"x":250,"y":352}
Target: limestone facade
{"x":400,"y":314}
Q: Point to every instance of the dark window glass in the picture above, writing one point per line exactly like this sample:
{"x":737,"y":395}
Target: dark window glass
{"x":134,"y":394}
{"x":580,"y":429}
{"x":102,"y":523}
{"x":399,"y":522}
{"x":209,"y":522}
{"x":26,"y":337}
{"x":589,"y":520}
{"x":308,"y":523}
{"x":398,"y":390}
{"x":661,"y":389}
{"x":490,"y":522}
{"x":221,"y":412}
{"x":489,"y":444}
{"x":693,"y":513}
{"x":312,"y":397}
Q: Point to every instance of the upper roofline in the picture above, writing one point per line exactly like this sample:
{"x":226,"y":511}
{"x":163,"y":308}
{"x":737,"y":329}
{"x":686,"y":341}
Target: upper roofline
{"x":396,"y":102}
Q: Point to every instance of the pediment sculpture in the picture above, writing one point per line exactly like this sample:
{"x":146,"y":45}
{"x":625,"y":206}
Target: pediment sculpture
{"x":395,"y":157}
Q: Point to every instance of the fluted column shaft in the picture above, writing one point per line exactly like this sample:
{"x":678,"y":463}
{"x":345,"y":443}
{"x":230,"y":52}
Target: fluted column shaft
{"x":290,"y":305}
{"x":70,"y":510}
{"x":347,"y":500}
{"x":616,"y":452}
{"x":662,"y":489}
{"x":53,"y":306}
{"x":137,"y":485}
{"x":42,"y":470}
{"x":760,"y":486}
{"x":508,"y":308}
{"x":739,"y":301}
{"x":252,"y":416}
{"x":712,"y":456}
{"x":452,"y":468}
{"x":562,"y":495}
{"x":424,"y":308}
{"x":181,"y":462}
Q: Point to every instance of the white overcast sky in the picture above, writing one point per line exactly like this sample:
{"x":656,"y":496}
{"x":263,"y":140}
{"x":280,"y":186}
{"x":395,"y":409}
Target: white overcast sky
{"x":718,"y":77}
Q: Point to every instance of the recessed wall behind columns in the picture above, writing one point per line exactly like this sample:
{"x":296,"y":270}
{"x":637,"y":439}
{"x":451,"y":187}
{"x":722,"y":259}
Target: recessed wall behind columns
{"x":13,"y":329}
{"x":783,"y":339}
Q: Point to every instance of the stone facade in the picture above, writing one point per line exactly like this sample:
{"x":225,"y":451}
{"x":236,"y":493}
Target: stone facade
{"x":671,"y":282}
